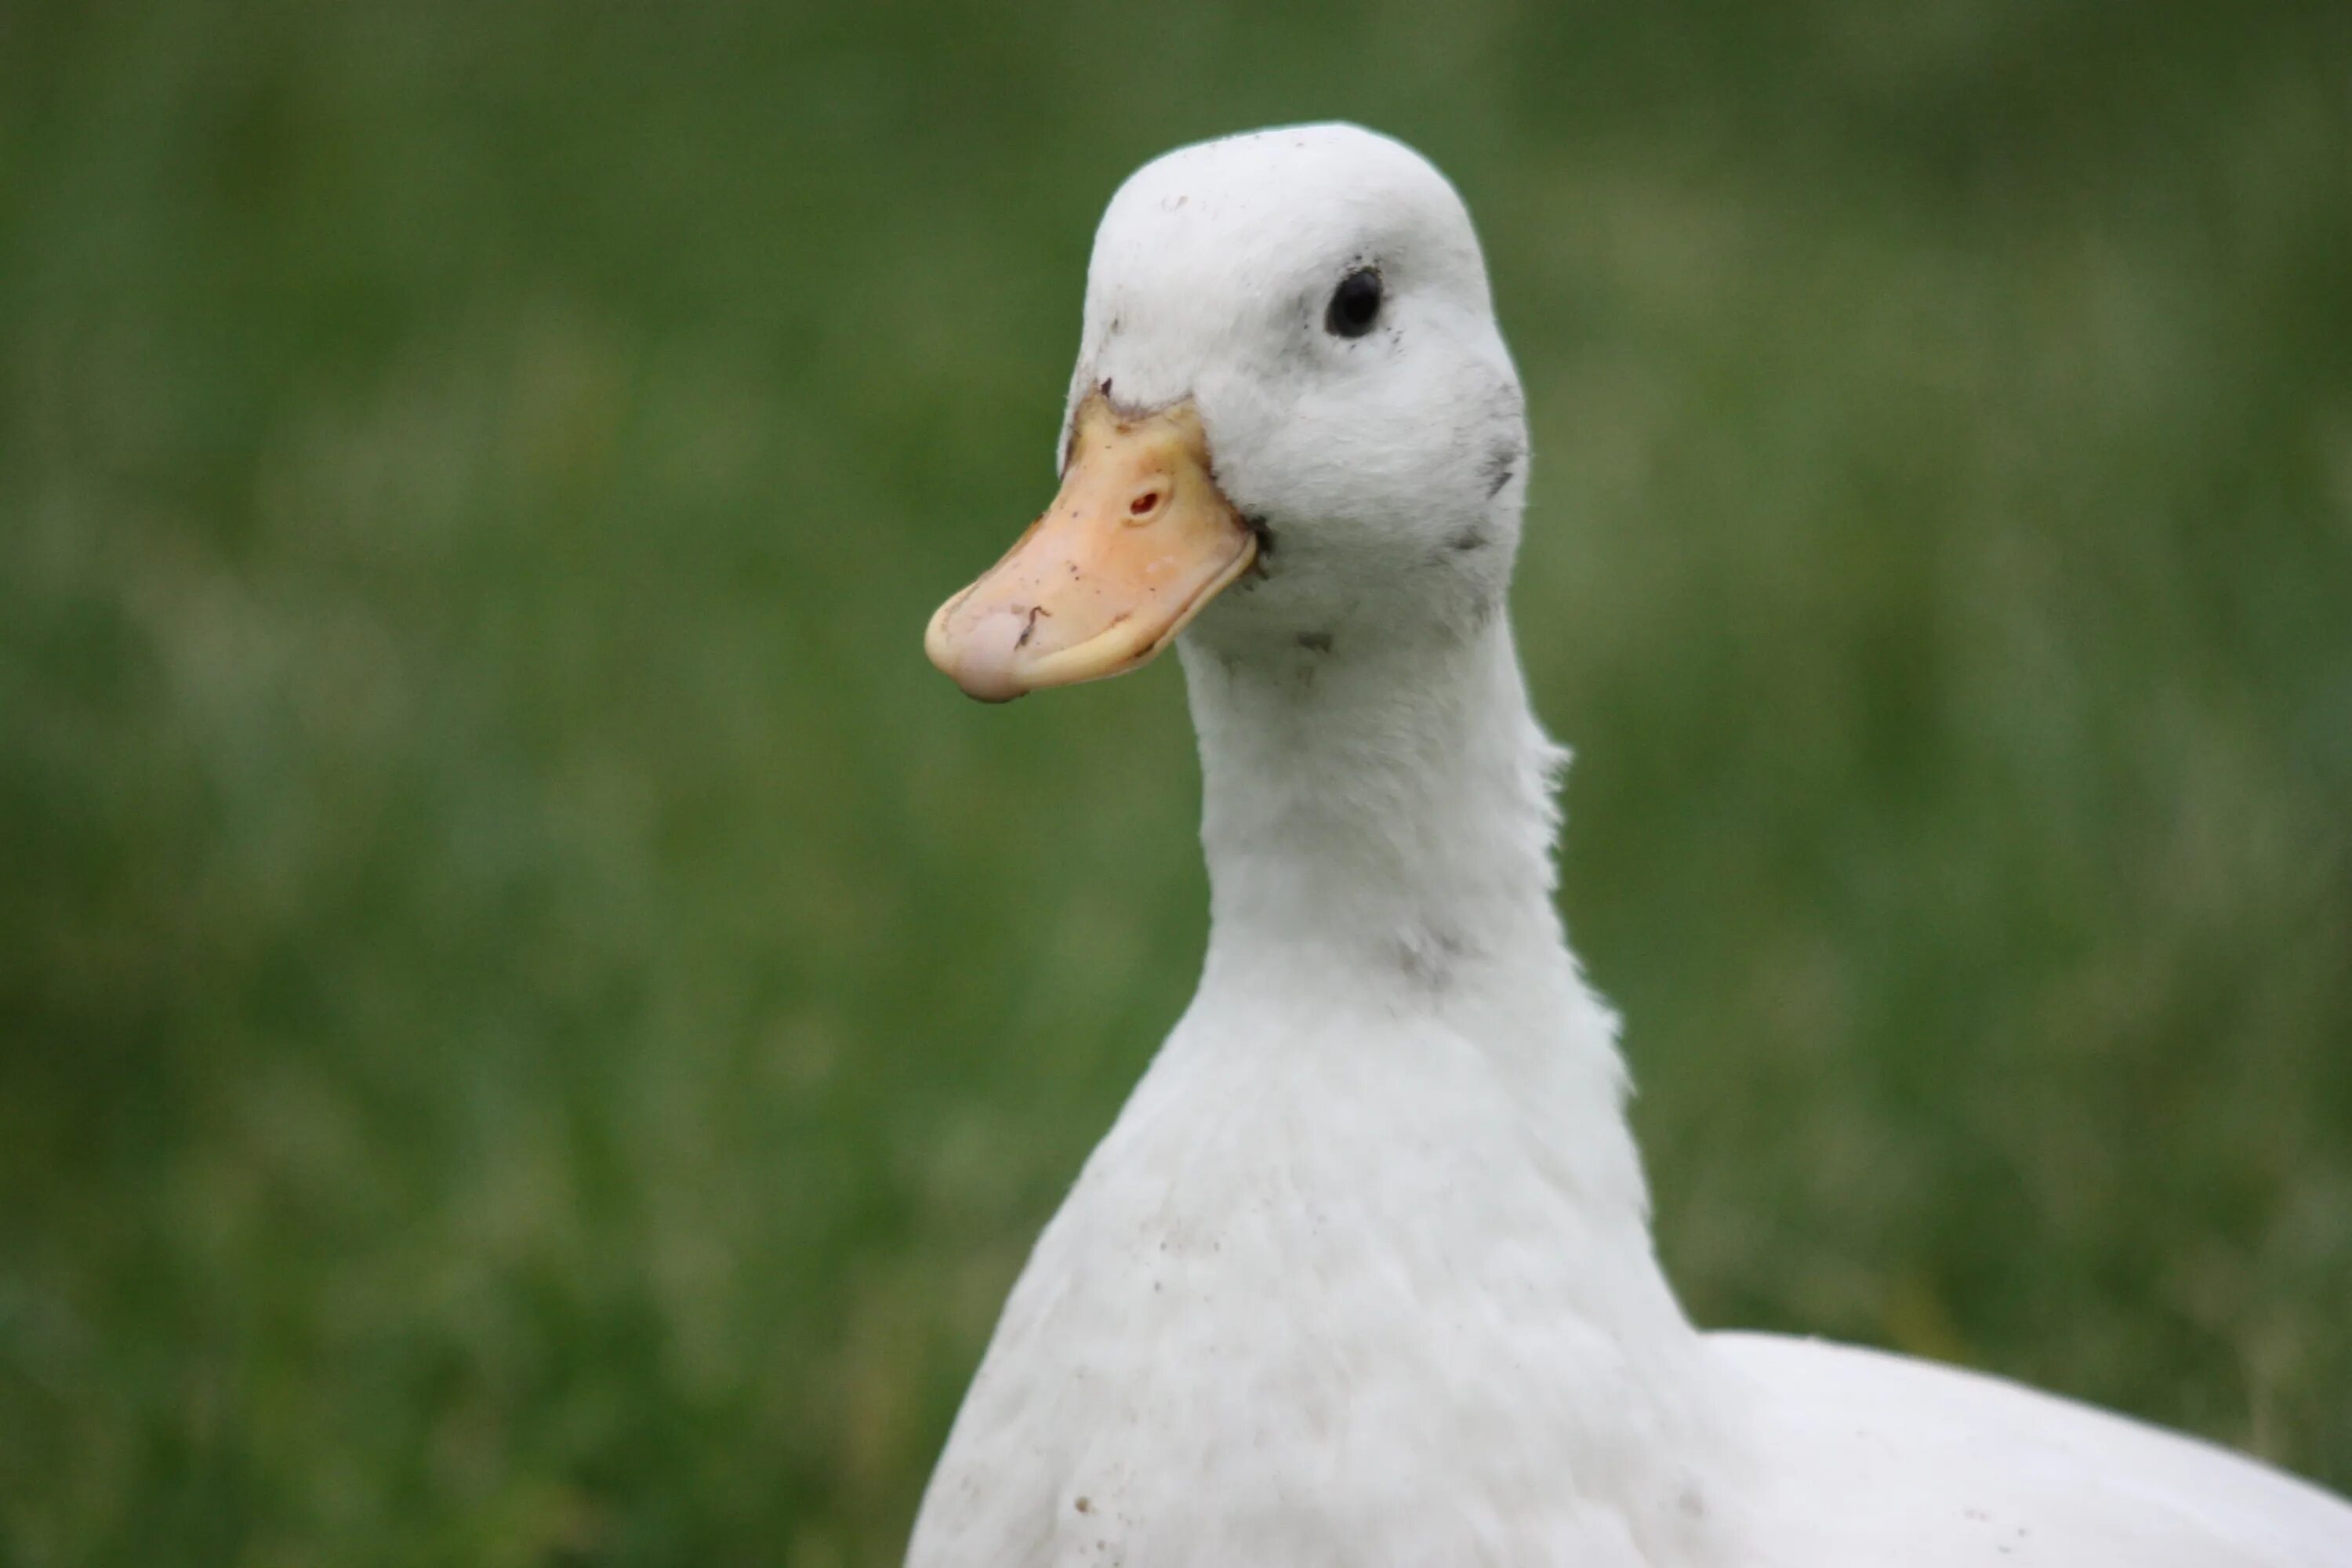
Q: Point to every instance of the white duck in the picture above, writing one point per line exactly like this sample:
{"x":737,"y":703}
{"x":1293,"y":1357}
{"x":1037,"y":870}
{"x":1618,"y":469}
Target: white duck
{"x":1363,"y":1273}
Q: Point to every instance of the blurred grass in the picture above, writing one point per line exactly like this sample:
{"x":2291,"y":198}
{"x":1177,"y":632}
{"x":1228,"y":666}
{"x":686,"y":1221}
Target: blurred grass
{"x":536,"y":1029}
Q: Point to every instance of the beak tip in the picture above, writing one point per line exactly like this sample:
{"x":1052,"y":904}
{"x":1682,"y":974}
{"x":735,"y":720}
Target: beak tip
{"x":975,"y":656}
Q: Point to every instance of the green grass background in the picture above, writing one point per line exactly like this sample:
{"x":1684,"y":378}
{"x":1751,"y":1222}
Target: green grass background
{"x":537,"y":1031}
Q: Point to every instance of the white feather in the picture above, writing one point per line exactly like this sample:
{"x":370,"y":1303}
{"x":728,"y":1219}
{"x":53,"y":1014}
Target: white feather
{"x":1363,"y":1273}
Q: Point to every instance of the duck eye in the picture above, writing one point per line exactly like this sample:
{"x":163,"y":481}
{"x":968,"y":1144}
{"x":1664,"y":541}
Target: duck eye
{"x":1355,"y":304}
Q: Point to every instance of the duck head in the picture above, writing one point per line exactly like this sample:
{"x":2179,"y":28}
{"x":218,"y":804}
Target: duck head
{"x":1293,"y":419}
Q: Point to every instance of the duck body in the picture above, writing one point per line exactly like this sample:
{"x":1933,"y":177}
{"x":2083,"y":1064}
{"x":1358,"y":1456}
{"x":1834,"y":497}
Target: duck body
{"x":1364,"y":1275}
{"x":1861,"y":1457}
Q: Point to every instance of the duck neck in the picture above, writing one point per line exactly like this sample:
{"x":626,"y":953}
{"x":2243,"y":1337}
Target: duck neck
{"x":1379,"y":825}
{"x":1387,"y":805}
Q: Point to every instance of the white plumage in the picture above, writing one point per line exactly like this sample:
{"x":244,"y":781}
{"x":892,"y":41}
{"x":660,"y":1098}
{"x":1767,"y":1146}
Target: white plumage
{"x":1363,"y":1273}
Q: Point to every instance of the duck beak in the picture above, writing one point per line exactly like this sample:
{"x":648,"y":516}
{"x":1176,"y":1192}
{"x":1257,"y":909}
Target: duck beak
{"x":1138,"y":540}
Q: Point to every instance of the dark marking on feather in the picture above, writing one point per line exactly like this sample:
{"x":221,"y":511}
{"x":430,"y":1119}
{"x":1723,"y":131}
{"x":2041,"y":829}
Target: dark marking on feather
{"x":1315,"y":642}
{"x":1428,"y":955}
{"x":1502,"y":462}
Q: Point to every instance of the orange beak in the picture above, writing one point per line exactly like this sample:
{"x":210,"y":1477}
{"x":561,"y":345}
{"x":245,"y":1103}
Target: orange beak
{"x":1138,"y":540}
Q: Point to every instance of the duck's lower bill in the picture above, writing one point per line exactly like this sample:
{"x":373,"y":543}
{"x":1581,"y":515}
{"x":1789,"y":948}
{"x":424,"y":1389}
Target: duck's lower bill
{"x":1138,"y":540}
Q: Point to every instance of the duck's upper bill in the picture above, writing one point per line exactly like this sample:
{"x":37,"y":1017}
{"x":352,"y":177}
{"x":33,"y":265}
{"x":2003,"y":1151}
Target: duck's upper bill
{"x":1138,"y":540}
